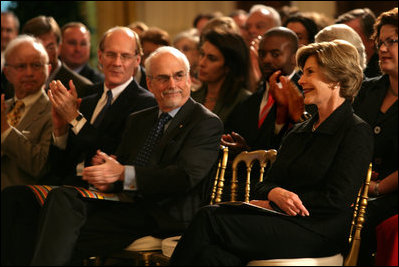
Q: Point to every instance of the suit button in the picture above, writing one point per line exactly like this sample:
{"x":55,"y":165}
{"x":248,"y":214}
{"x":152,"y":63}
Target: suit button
{"x":377,"y":129}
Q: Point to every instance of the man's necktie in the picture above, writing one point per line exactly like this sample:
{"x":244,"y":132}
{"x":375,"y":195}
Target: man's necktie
{"x":15,"y":114}
{"x":152,"y":139}
{"x":265,"y":110}
{"x":101,"y":115}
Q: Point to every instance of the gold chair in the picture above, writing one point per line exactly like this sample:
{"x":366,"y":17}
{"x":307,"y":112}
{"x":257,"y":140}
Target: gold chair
{"x":218,"y":184}
{"x":354,"y":239}
{"x":141,"y":250}
{"x":262,"y":156}
{"x":168,"y":244}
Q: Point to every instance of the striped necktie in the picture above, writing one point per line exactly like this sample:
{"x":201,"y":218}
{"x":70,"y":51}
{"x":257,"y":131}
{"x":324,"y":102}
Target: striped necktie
{"x":152,"y":139}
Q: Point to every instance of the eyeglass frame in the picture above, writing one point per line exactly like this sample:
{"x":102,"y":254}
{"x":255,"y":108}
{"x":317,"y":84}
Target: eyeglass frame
{"x":164,"y":78}
{"x":389,"y":42}
{"x":110,"y":55}
{"x":36,"y":66}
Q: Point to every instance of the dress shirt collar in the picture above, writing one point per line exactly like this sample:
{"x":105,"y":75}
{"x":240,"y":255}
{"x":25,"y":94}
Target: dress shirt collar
{"x":31,"y":99}
{"x":116,"y":91}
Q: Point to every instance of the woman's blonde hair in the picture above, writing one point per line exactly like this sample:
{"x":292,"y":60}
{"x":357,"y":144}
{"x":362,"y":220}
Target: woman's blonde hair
{"x":339,"y":61}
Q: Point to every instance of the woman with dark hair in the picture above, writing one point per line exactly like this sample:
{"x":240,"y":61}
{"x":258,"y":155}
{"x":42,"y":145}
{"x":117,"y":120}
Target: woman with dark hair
{"x":223,"y":70}
{"x":377,"y":103}
{"x":305,"y":28}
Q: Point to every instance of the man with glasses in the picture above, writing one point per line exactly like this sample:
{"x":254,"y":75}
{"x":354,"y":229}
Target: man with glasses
{"x":78,"y":131}
{"x":163,"y":163}
{"x":48,"y":31}
{"x":25,"y":118}
{"x":99,"y":121}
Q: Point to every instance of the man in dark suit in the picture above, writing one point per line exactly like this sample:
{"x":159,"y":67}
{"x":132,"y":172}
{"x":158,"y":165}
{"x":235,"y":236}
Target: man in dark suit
{"x":48,"y":31}
{"x":253,"y":123}
{"x":75,"y":51}
{"x":86,"y":134}
{"x":77,"y":137}
{"x":166,"y":183}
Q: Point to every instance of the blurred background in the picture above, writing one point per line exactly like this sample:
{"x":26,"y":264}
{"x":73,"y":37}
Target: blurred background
{"x":172,"y":16}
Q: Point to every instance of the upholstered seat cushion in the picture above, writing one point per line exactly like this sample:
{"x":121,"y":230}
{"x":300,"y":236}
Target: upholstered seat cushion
{"x":145,"y":243}
{"x":336,"y":260}
{"x":169,"y":244}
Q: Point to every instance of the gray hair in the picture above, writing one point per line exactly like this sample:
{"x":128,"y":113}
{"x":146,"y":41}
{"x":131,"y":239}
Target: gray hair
{"x":163,"y":50}
{"x":343,"y":32}
{"x":24,"y":38}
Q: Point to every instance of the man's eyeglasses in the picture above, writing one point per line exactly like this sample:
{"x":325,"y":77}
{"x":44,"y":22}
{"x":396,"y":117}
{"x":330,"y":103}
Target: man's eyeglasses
{"x":388,"y":43}
{"x":36,"y":66}
{"x":163,"y":78}
{"x":124,"y":57}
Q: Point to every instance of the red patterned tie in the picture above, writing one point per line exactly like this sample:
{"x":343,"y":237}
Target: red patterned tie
{"x":15,"y":114}
{"x":265,"y":110}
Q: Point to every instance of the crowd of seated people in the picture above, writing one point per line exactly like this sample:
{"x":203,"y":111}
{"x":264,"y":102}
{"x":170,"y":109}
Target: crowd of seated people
{"x":146,"y":126}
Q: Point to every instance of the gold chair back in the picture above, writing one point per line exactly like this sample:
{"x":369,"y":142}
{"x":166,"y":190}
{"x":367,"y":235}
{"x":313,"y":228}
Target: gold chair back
{"x":357,"y":221}
{"x":218,"y":184}
{"x":263,"y":156}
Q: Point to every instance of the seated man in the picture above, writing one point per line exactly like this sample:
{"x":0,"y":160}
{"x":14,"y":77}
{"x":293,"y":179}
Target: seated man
{"x":26,"y":118}
{"x":163,"y":165}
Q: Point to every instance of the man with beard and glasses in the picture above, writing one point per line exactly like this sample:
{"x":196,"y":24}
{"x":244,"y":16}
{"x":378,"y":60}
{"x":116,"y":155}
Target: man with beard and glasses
{"x":255,"y":123}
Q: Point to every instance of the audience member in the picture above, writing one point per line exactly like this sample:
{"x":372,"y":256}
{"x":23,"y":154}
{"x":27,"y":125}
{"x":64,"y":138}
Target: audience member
{"x":377,"y":103}
{"x":188,"y":43}
{"x":9,"y":30}
{"x":362,"y":21}
{"x":75,"y":51}
{"x":252,"y":124}
{"x":48,"y":31}
{"x":202,"y":18}
{"x":260,"y":19}
{"x":223,"y":70}
{"x":317,"y":200}
{"x":343,"y":32}
{"x":26,"y":118}
{"x":240,"y":17}
{"x":223,"y":22}
{"x":286,"y":12}
{"x":305,"y":28}
{"x":79,"y":135}
{"x":75,"y":144}
{"x":167,"y":183}
{"x":138,"y":26}
{"x":151,"y":39}
{"x":321,"y":19}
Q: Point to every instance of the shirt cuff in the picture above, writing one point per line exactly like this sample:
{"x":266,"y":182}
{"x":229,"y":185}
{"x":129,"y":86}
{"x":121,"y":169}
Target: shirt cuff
{"x":130,"y":183}
{"x":60,"y":141}
{"x":76,"y":129}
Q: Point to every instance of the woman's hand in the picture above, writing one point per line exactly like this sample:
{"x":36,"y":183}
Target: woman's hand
{"x":288,"y":201}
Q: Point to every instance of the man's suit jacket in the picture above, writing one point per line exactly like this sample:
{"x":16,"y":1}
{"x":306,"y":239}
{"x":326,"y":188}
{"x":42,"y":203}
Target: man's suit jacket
{"x":172,"y":183}
{"x":244,"y":120}
{"x":143,"y":79}
{"x":92,"y":74}
{"x":25,"y":150}
{"x":106,"y":137}
{"x":82,"y":84}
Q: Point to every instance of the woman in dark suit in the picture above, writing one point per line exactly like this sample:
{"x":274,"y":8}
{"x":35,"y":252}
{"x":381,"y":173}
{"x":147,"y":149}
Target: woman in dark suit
{"x":314,"y":180}
{"x":377,"y":103}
